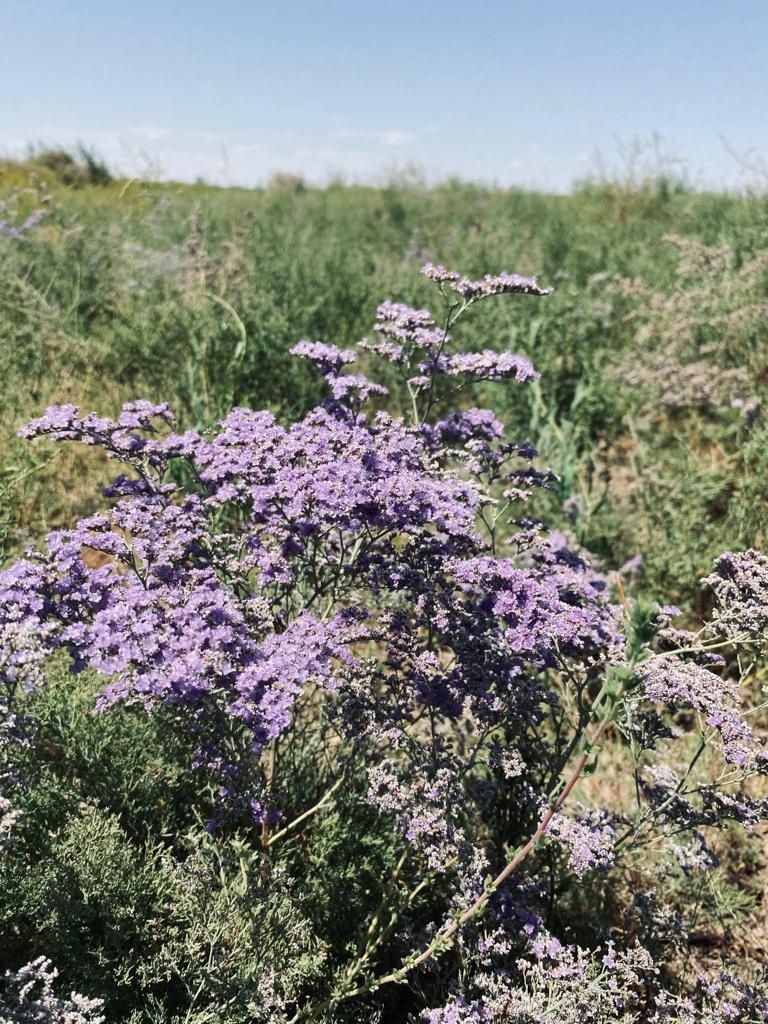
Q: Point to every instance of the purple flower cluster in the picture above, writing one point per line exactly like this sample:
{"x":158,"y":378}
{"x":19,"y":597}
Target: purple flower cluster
{"x":549,"y":610}
{"x":556,"y":983}
{"x":351,"y":567}
{"x":400,"y":325}
{"x":460,"y":428}
{"x":589,"y":840}
{"x":457,"y":1011}
{"x":23,"y":629}
{"x":177,"y":619}
{"x":425,"y":810}
{"x":18,"y":231}
{"x":707,"y":806}
{"x":721,"y":998}
{"x":411,"y":338}
{"x":739,"y":582}
{"x":121,"y":438}
{"x":491,"y":284}
{"x":491,"y":366}
{"x":27,"y":997}
{"x":674,"y":682}
{"x":350,"y":390}
{"x":224,"y":600}
{"x":327,"y":358}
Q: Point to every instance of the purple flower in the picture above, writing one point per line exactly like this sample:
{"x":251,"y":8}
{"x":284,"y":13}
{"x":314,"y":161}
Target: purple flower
{"x":439,"y":274}
{"x":18,"y":231}
{"x":491,"y":366}
{"x":632,"y":566}
{"x":459,"y":428}
{"x":27,"y":997}
{"x":355,"y":388}
{"x":401,"y":324}
{"x":498,"y":284}
{"x":589,"y":840}
{"x":491,"y":284}
{"x":347,"y":572}
{"x":458,"y":1011}
{"x":328,"y":358}
{"x":739,"y":582}
{"x":669,"y":680}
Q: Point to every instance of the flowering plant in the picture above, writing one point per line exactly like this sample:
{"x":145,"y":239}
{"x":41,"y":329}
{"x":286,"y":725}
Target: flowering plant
{"x":12,"y":224}
{"x":371,"y":590}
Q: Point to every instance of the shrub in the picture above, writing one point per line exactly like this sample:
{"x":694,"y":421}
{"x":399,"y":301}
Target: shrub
{"x":399,"y":688}
{"x":76,"y":168}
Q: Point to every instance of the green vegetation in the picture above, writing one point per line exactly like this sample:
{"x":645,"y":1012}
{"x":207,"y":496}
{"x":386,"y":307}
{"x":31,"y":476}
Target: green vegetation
{"x":653,"y":353}
{"x":194,"y":294}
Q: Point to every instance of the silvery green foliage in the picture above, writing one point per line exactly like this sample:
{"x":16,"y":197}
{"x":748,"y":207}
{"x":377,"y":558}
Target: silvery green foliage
{"x":27,"y":997}
{"x":15,"y":732}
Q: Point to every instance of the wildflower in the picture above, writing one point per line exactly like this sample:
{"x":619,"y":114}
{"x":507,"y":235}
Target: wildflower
{"x":328,"y":358}
{"x":589,"y":840}
{"x":676,"y":682}
{"x":740,"y":585}
{"x":491,"y":366}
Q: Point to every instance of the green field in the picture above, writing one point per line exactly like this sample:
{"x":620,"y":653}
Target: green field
{"x":194,"y":294}
{"x":653,"y":354}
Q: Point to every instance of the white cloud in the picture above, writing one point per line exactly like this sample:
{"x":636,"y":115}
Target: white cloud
{"x":392,"y":137}
{"x":147,"y":131}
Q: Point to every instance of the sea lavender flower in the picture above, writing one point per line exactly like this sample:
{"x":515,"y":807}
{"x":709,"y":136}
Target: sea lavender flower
{"x":337,"y":564}
{"x":329,"y":359}
{"x":720,"y":998}
{"x":18,"y":231}
{"x":424,"y":808}
{"x":27,"y":997}
{"x":739,"y":582}
{"x":694,"y":856}
{"x":458,"y":1011}
{"x":557,"y":607}
{"x":589,"y":840}
{"x":675,"y":682}
{"x":355,"y":388}
{"x":401,"y":325}
{"x":491,"y":366}
{"x":459,"y":428}
{"x":438,"y":273}
{"x":284,"y":663}
{"x":25,"y":635}
{"x":632,"y":566}
{"x":123,"y":438}
{"x":498,"y":284}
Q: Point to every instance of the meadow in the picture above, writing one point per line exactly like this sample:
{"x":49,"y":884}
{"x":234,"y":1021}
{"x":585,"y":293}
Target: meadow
{"x":652,"y":457}
{"x":194,"y":295}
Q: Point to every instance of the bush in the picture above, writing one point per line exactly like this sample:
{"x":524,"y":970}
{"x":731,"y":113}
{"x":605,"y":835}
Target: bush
{"x":406,"y":702}
{"x":75,"y":168}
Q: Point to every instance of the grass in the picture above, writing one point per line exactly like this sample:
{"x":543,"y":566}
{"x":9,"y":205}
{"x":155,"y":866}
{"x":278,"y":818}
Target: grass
{"x":194,"y":294}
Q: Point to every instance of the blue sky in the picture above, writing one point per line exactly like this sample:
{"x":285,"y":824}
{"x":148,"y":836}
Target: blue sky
{"x":516,"y":92}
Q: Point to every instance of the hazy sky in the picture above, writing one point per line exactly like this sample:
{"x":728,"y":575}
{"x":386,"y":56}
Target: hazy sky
{"x":516,"y":92}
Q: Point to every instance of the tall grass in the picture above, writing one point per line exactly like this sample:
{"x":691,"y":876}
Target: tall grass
{"x":195,"y":294}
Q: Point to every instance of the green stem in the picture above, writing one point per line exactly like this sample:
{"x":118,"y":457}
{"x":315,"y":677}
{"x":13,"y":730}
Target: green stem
{"x":444,"y":938}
